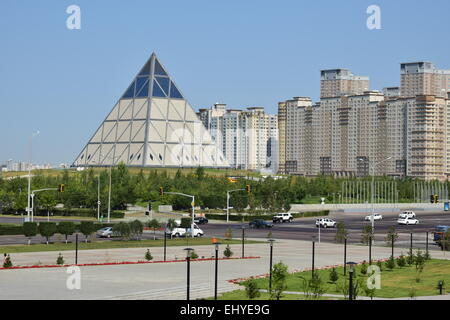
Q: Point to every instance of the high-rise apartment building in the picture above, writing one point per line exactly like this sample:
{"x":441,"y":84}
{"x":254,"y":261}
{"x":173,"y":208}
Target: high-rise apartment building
{"x":339,"y":82}
{"x":247,"y":138}
{"x":423,"y":78}
{"x":401,"y":132}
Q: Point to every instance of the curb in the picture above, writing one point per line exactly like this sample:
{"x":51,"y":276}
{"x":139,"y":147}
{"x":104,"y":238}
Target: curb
{"x":122,"y":263}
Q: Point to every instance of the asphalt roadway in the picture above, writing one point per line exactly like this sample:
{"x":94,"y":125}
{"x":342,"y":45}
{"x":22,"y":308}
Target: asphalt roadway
{"x":300,"y":229}
{"x":305,"y":229}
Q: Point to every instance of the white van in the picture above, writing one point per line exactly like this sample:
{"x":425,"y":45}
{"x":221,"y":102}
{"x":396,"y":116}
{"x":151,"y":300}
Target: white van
{"x":181,"y":232}
{"x":407,"y":215}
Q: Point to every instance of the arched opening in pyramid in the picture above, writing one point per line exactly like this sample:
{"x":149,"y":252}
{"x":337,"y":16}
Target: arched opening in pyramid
{"x":152,"y":125}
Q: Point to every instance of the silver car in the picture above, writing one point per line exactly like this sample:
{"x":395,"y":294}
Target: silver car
{"x":106,"y":232}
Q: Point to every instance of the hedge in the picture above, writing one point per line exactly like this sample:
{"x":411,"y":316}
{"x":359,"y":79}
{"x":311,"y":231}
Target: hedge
{"x":80,"y":212}
{"x":10,"y":229}
{"x":15,"y":229}
{"x":264,"y":216}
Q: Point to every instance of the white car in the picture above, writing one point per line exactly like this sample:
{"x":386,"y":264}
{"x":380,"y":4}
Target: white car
{"x":407,"y":214}
{"x":282,"y":217}
{"x":376,"y":217}
{"x":106,"y":232}
{"x":407,"y":221}
{"x":325,"y":223}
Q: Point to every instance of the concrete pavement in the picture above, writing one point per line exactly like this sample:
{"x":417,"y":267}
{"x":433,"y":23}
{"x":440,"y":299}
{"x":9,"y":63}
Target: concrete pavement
{"x":165,"y":280}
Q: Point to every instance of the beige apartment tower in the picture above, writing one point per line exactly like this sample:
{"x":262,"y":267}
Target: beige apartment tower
{"x":339,"y":82}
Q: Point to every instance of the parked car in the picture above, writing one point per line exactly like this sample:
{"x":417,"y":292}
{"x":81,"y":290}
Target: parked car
{"x":282,"y":217}
{"x":407,"y":221}
{"x":200,"y":220}
{"x":376,"y":217}
{"x":260,"y":223}
{"x":407,"y":214}
{"x":106,"y":232}
{"x":325,"y":223}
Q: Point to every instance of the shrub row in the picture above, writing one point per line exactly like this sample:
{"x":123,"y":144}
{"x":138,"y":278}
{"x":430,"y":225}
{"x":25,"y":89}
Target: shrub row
{"x":80,"y":212}
{"x":13,"y":229}
{"x":241,"y":217}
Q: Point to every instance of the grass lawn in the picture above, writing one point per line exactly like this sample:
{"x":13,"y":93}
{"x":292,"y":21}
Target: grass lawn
{"x":395,"y":283}
{"x":240,"y":295}
{"x":62,"y":246}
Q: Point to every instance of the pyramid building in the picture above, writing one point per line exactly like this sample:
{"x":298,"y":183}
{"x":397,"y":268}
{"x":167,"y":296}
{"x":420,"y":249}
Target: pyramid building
{"x":152,"y":125}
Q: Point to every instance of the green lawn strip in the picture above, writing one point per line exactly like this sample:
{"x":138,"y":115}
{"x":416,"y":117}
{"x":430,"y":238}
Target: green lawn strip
{"x":396,"y":283}
{"x":240,"y":295}
{"x":62,"y":246}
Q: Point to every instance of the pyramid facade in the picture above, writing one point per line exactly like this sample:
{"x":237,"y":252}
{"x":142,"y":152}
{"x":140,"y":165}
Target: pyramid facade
{"x":152,"y":125}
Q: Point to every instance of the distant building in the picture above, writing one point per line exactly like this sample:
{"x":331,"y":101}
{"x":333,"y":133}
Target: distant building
{"x":339,"y":82}
{"x":247,"y":138}
{"x":423,"y":78}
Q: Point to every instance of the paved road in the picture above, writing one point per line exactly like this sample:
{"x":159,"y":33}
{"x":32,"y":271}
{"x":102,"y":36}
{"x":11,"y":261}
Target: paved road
{"x":304,"y":228}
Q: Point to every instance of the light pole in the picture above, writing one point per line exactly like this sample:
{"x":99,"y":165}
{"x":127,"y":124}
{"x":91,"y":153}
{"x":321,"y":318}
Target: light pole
{"x":372,"y":189}
{"x":188,"y":260}
{"x":350,"y":283}
{"x":216,"y":269}
{"x":243,"y":239}
{"x":345,"y":255}
{"x":313,"y":255}
{"x":98,"y":199}
{"x":228,"y":202}
{"x":270,"y":263}
{"x":29,"y":175}
{"x":193,"y":207}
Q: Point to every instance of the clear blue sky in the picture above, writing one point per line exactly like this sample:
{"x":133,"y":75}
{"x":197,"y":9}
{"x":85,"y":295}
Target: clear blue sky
{"x":243,"y":53}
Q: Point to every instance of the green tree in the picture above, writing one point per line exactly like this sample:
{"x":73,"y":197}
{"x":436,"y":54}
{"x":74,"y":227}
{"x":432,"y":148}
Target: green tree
{"x":30,"y":229}
{"x":251,"y":289}
{"x":341,"y":232}
{"x":366,"y":235}
{"x":279,"y":275}
{"x":390,"y":263}
{"x":392,"y":235}
{"x":227,"y":252}
{"x":122,"y":229}
{"x":170,"y":225}
{"x":334,"y":275}
{"x":87,"y":228}
{"x":47,"y":229}
{"x":136,"y":229}
{"x":60,"y":260}
{"x":148,"y":255}
{"x":66,"y":228}
{"x":154,"y":225}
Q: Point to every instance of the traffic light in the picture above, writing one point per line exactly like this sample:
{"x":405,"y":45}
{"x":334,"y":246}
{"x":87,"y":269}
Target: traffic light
{"x":432,"y":198}
{"x":436,"y":198}
{"x":161,"y":191}
{"x":61,"y":188}
{"x":248,"y":188}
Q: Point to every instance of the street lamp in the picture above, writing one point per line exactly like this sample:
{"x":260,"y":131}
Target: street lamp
{"x":350,"y":283}
{"x":345,"y":255}
{"x":313,"y":254}
{"x":216,"y":269}
{"x":372,"y":189}
{"x":243,"y":239}
{"x":271,"y":241}
{"x":29,"y":174}
{"x":188,"y":260}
